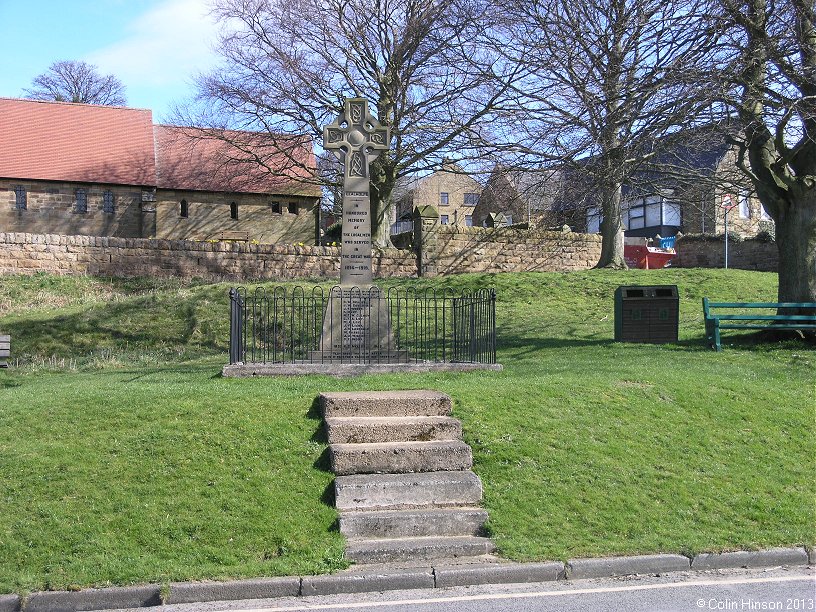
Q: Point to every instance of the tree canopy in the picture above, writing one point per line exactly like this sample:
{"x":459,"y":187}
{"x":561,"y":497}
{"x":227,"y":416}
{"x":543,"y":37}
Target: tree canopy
{"x":78,"y":82}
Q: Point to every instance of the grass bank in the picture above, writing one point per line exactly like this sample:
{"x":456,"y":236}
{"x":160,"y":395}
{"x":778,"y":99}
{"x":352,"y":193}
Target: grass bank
{"x":125,"y":457}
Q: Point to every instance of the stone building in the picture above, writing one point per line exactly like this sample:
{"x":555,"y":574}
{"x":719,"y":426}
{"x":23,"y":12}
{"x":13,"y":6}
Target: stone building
{"x":683,"y":189}
{"x":80,"y":169}
{"x":450,"y":190}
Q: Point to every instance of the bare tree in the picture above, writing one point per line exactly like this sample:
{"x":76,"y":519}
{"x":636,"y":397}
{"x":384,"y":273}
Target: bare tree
{"x":77,"y":82}
{"x":288,"y":64}
{"x":603,"y":80}
{"x":765,"y":76}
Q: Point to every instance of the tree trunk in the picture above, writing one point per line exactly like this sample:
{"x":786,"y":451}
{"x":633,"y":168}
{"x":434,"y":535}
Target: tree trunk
{"x":612,"y":231}
{"x":796,"y":242}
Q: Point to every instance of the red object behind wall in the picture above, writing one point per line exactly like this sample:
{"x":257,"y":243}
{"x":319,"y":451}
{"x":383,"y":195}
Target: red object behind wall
{"x":646,"y":257}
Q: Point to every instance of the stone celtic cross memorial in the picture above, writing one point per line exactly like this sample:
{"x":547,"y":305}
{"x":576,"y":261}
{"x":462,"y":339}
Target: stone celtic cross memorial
{"x":357,"y":324}
{"x":357,"y":139}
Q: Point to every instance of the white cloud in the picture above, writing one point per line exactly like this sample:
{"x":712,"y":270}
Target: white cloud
{"x":163,"y":47}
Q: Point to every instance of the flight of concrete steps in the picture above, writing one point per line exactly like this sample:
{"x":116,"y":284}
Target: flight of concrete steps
{"x":403,"y":485}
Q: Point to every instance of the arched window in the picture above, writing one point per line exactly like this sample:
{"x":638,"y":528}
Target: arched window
{"x":233,"y":210}
{"x":184,"y":209}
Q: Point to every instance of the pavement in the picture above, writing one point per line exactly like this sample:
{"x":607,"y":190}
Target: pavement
{"x":391,"y":577}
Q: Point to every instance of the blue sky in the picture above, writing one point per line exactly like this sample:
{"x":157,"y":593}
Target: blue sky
{"x":155,"y":47}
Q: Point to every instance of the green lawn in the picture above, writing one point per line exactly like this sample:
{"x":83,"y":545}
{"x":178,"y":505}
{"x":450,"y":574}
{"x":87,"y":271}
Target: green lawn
{"x":125,"y":457}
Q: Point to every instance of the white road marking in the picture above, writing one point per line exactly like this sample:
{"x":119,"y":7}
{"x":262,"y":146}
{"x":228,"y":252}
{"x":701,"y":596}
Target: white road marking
{"x":530,"y":595}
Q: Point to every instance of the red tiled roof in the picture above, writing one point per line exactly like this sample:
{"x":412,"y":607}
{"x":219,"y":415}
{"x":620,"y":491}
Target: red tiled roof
{"x":56,"y":141}
{"x":231,"y":161}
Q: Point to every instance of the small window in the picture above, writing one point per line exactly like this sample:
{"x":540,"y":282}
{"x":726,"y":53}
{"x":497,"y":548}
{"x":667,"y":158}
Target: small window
{"x":233,"y":210}
{"x":276,"y":207}
{"x":184,"y":209}
{"x":293,"y":208}
{"x":443,"y":219}
{"x":471,"y":199}
{"x":469,"y":220}
{"x":20,"y":198}
{"x":509,"y":219}
{"x":81,"y":201}
{"x":443,"y":199}
{"x":108,"y":202}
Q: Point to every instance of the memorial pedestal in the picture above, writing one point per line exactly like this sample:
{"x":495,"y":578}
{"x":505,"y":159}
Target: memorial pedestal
{"x":357,"y":328}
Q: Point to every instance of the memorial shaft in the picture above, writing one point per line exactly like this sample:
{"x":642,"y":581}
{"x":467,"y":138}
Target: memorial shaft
{"x":357,"y":138}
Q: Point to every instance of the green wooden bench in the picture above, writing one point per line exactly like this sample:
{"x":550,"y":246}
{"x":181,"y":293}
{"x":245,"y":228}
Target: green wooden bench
{"x":715,"y":321}
{"x":5,"y":350}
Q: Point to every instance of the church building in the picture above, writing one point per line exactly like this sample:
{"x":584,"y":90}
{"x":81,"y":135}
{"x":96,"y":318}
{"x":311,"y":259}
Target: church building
{"x":79,"y":169}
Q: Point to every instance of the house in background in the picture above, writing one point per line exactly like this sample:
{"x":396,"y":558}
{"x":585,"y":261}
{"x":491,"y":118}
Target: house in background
{"x":450,"y":190}
{"x":82,"y":169}
{"x":681,"y":189}
{"x":521,"y":196}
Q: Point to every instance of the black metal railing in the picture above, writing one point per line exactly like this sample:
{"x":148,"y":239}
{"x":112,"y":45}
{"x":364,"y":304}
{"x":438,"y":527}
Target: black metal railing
{"x":354,"y":325}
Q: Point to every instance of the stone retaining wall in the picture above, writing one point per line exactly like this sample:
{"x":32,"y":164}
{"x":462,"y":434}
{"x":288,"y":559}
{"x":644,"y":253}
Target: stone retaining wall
{"x":457,"y":250}
{"x":214,"y":261}
{"x":745,"y":255}
{"x":476,"y":249}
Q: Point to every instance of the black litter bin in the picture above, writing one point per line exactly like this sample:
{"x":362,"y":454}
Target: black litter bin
{"x":647,"y":314}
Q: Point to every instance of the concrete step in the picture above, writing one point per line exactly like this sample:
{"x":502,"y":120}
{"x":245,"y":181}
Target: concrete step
{"x":363,"y":430}
{"x":413,"y":549}
{"x":380,"y":524}
{"x":385,"y":403}
{"x":404,"y":491}
{"x":400,"y":457}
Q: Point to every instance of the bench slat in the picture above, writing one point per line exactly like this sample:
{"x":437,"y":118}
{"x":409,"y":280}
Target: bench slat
{"x":757,"y":326}
{"x":762,"y":304}
{"x":740,"y":317}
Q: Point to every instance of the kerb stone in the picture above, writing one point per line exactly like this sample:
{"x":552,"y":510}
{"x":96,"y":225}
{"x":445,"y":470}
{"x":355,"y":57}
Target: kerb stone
{"x":261,"y":588}
{"x":578,"y":569}
{"x":94,"y":599}
{"x":745,"y":558}
{"x":368,"y":582}
{"x":497,"y":573}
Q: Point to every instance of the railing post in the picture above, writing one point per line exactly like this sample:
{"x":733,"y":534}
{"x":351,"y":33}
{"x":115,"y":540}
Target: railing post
{"x":236,"y":348}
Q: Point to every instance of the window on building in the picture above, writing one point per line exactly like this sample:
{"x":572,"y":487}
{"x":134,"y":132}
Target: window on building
{"x":293,"y":208}
{"x":20,"y":198}
{"x":671,"y":214}
{"x":469,"y":220}
{"x":744,"y":209}
{"x":276,"y":207}
{"x":184,"y":209}
{"x":509,"y":219}
{"x":443,"y":199}
{"x":637,"y":217}
{"x":80,"y":201}
{"x":471,"y":199}
{"x":108,"y":202}
{"x":233,"y":210}
{"x":443,"y":219}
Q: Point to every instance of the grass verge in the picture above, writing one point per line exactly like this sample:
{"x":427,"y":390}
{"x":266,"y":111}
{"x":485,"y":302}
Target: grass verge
{"x":139,"y":463}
